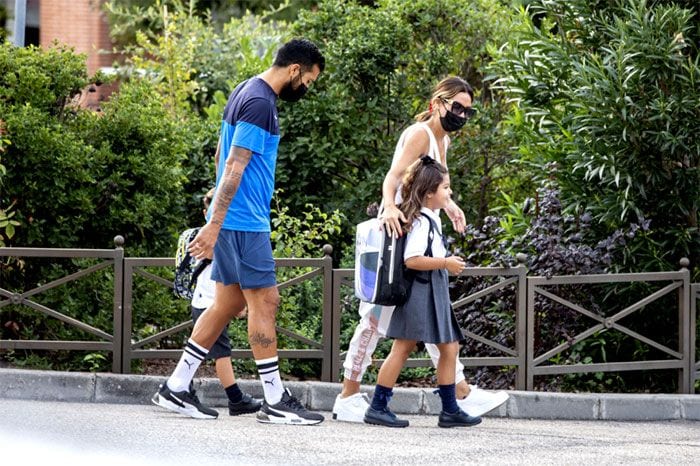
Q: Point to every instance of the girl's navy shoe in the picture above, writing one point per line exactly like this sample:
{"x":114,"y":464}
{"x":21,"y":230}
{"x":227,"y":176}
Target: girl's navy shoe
{"x":458,"y":419}
{"x":384,"y":417}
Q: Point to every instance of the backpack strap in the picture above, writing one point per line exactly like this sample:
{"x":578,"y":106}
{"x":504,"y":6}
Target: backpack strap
{"x":424,"y":275}
{"x":431,"y":234}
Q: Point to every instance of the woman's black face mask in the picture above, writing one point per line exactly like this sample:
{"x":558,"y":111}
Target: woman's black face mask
{"x":455,"y":116}
{"x":451,"y":122}
{"x":291,"y":94}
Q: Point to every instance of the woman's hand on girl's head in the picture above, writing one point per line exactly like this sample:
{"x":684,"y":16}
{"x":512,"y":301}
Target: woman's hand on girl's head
{"x":392,"y":218}
{"x":454,"y":265}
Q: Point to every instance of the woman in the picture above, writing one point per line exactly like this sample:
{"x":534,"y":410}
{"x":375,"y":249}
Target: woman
{"x":449,"y":109}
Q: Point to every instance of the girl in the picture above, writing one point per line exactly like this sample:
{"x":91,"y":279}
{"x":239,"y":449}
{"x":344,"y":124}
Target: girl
{"x":427,"y":315}
{"x":449,"y":108}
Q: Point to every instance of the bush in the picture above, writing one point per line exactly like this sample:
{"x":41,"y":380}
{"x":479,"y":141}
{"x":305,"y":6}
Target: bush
{"x":79,"y":178}
{"x":301,"y":306}
{"x":7,"y":223}
{"x":607,"y":90}
{"x":382,"y":62}
{"x":190,"y":59}
{"x":557,"y":243}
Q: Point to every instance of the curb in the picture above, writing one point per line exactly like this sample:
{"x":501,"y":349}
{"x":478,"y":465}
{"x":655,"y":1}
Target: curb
{"x":82,"y":387}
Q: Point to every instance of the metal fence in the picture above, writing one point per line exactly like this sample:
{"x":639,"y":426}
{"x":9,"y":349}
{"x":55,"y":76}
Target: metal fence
{"x":134,"y":348}
{"x":527,"y":294}
{"x":107,"y":339}
{"x":514,"y":278}
{"x":678,"y":357}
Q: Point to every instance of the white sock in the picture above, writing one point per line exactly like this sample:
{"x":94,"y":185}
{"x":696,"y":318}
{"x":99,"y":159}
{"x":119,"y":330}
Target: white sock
{"x":270,"y":377}
{"x":191,"y":358}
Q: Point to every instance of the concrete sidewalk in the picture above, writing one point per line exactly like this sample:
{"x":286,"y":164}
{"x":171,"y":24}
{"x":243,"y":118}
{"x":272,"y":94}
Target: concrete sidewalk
{"x":89,"y":434}
{"x":82,"y":387}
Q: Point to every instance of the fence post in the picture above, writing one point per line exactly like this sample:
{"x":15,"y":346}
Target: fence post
{"x":521,"y":339}
{"x":335,"y":319}
{"x":685,"y":326}
{"x":329,"y":342}
{"x":694,"y":296}
{"x":530,"y":335}
{"x":118,"y":317}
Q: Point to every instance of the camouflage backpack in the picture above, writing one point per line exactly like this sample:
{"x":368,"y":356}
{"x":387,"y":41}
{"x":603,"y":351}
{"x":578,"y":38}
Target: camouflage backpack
{"x":187,"y":268}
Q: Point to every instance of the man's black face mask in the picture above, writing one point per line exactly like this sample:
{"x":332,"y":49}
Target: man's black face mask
{"x":291,"y":94}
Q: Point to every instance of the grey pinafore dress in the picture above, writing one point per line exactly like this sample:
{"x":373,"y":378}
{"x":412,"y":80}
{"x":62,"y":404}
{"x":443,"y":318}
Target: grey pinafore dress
{"x":427,"y":315}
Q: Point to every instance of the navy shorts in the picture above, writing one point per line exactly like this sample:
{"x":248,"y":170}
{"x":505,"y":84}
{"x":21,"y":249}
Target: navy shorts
{"x":244,"y":258}
{"x":222,"y":345}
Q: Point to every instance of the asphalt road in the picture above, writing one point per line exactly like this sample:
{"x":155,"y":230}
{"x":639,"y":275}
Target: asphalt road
{"x":76,"y":434}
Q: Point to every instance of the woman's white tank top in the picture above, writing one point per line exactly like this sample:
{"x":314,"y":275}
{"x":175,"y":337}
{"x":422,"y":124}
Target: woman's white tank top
{"x":434,"y":151}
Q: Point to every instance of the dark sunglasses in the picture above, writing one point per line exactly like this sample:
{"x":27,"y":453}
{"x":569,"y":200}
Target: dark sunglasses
{"x":459,"y":109}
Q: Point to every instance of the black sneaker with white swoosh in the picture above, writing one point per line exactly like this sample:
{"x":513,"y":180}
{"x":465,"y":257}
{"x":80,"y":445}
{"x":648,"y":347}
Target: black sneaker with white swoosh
{"x":184,"y":402}
{"x":287,"y":411}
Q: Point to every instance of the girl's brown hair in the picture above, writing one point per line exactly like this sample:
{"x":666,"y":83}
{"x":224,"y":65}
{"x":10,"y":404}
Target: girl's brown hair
{"x":447,"y":89}
{"x":422,"y":177}
{"x":206,"y":200}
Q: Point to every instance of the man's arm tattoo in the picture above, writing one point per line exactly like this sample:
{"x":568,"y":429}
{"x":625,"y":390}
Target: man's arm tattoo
{"x":261,"y":339}
{"x":227,"y":191}
{"x":233,"y":172}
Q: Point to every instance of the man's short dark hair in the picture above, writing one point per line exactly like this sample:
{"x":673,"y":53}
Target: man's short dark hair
{"x":302,"y":52}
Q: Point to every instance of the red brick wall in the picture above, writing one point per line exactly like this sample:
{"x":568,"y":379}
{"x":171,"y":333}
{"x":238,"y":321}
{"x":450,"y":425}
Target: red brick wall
{"x":82,"y":25}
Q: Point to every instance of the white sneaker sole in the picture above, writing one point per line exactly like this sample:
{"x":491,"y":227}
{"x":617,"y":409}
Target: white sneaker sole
{"x":348,"y":418}
{"x":479,"y":410}
{"x":190,"y":411}
{"x":264,"y":418}
{"x":348,"y":410}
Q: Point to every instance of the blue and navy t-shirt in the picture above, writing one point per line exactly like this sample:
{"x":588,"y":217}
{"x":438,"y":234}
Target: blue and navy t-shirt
{"x":250,"y":122}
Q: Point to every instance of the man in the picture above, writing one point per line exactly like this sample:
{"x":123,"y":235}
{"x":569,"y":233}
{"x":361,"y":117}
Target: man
{"x":238,"y":233}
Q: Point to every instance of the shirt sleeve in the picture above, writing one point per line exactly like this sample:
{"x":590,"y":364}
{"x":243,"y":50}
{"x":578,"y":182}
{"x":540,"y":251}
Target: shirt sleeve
{"x":252,"y":129}
{"x":417,"y":240}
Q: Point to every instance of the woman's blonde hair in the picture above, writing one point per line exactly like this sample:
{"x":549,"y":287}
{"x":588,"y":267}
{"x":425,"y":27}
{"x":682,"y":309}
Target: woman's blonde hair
{"x":422,"y":177}
{"x":446,"y":89}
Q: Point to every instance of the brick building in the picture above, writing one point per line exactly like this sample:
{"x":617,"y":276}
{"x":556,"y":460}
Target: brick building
{"x":80,"y":24}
